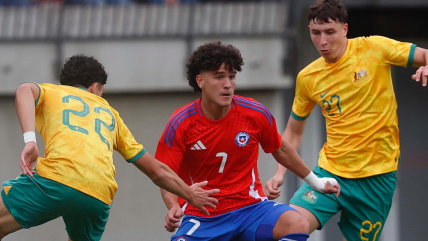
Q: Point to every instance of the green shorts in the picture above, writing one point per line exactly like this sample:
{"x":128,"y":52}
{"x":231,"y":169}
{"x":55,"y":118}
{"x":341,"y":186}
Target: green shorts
{"x":37,"y":200}
{"x":364,"y":202}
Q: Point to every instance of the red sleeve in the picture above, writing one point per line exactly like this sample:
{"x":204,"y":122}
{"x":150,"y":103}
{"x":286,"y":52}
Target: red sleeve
{"x":172,"y":156}
{"x":270,"y":139}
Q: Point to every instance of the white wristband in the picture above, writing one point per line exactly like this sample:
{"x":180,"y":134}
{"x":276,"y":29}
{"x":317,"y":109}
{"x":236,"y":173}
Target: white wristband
{"x":29,"y":136}
{"x":318,"y":184}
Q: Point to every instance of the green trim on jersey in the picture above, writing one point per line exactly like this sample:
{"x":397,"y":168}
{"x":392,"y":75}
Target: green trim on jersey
{"x":298,"y":117}
{"x":137,"y":156}
{"x":40,"y":93}
{"x":82,"y":88}
{"x":411,"y":55}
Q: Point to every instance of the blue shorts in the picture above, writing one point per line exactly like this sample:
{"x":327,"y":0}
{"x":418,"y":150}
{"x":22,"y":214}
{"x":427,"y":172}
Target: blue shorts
{"x":255,"y":222}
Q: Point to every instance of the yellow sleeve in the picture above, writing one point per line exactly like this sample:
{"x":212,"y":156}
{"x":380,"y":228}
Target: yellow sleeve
{"x":303,"y":104}
{"x":394,"y":52}
{"x":125,"y":142}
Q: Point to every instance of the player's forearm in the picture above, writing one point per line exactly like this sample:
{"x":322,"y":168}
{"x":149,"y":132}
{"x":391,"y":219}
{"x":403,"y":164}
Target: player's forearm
{"x":288,"y":157}
{"x":25,"y":108}
{"x":170,"y":200}
{"x":168,"y":180}
{"x":163,"y":176}
{"x":294,"y":137}
{"x":420,"y":57}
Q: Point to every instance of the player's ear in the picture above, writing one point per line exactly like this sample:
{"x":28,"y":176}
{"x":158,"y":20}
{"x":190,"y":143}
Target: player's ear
{"x":199,"y":81}
{"x":345,"y":29}
{"x":94,"y":87}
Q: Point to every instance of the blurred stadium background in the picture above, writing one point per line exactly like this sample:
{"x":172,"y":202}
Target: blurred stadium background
{"x":144,"y":44}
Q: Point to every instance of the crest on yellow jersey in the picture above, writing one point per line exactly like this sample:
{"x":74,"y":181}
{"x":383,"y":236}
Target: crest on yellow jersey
{"x":360,"y":75}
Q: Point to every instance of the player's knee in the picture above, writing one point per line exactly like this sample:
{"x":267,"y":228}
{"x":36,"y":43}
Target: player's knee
{"x":299,"y":225}
{"x":290,"y":222}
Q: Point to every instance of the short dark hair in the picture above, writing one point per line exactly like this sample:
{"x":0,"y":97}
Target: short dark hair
{"x":82,"y":70}
{"x":322,"y":11}
{"x":211,"y":56}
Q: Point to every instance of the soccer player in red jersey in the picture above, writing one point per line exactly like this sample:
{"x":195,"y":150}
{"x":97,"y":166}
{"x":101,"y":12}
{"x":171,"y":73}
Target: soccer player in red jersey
{"x":216,"y":138}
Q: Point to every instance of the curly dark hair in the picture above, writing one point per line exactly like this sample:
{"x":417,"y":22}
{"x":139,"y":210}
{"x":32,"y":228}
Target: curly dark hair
{"x":321,"y":11}
{"x":211,"y":56}
{"x":82,"y":70}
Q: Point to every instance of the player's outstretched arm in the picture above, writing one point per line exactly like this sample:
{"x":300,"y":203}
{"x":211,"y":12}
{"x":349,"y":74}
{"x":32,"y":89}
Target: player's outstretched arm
{"x":420,"y":60}
{"x":165,"y":178}
{"x":293,"y":134}
{"x":26,"y":95}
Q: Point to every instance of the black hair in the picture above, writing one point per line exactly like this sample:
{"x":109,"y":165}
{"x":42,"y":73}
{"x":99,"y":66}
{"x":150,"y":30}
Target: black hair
{"x":211,"y":56}
{"x":82,"y":70}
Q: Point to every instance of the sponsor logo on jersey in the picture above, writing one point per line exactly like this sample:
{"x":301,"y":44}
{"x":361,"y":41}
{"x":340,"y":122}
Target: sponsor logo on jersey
{"x":310,"y":197}
{"x":198,"y":146}
{"x":242,"y":138}
{"x":360,"y":75}
{"x":181,"y":239}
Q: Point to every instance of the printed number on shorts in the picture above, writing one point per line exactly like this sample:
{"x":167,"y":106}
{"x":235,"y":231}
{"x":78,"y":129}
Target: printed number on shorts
{"x":364,"y":233}
{"x":66,"y":118}
{"x":223,"y":161}
{"x":196,"y":226}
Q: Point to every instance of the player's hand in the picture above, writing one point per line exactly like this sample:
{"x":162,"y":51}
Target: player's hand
{"x":421,"y":74}
{"x":331,"y":186}
{"x":202,"y":197}
{"x":271,"y":187}
{"x":28,"y":157}
{"x":172,"y":218}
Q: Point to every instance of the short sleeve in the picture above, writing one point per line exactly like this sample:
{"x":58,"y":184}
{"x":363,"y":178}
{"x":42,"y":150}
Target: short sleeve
{"x":302,"y":104}
{"x":394,"y":52}
{"x":270,"y":139}
{"x":125,"y":142}
{"x":170,"y":153}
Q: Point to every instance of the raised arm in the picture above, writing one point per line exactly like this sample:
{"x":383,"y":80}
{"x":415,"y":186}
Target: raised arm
{"x":293,"y":134}
{"x":420,"y":60}
{"x":164,"y":177}
{"x":26,"y":95}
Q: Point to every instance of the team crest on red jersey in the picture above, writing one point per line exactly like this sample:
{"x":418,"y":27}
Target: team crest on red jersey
{"x":242,"y":138}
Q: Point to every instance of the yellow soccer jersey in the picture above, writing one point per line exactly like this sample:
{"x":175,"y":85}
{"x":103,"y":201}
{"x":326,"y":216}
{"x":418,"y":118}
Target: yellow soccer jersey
{"x":80,"y":131}
{"x":357,"y":99}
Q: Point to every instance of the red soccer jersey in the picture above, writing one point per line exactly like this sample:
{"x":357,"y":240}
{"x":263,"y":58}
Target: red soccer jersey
{"x":224,"y":152}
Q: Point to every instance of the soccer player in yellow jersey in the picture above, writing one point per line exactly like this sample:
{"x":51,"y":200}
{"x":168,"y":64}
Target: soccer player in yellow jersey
{"x":351,"y":81}
{"x":75,"y":179}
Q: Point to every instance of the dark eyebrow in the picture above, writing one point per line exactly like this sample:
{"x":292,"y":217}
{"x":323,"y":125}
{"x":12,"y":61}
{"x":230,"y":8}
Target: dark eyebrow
{"x":219,"y":72}
{"x":223,"y":72}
